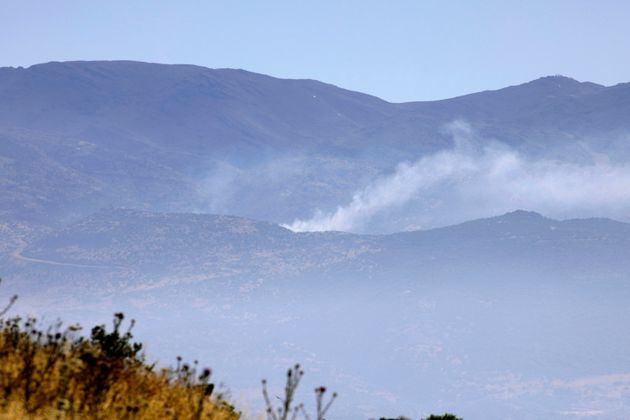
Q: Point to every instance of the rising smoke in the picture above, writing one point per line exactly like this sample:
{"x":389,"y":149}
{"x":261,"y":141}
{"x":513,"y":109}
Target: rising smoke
{"x":478,"y":178}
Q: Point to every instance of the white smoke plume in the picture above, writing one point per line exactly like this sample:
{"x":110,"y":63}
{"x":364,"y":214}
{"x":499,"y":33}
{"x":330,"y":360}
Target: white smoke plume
{"x":477,"y":179}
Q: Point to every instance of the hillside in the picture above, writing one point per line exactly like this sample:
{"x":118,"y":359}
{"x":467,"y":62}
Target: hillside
{"x":144,"y":248}
{"x":515,"y":311}
{"x":79,"y":136}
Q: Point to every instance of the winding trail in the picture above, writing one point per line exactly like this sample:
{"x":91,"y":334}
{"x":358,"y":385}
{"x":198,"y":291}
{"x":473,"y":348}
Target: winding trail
{"x":17,"y":254}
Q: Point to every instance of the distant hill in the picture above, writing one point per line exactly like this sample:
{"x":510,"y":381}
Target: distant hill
{"x":79,"y":136}
{"x":510,"y":314}
{"x":141,"y":246}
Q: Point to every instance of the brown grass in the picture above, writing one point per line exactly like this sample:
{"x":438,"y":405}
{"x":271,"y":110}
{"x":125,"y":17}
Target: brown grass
{"x":57,"y":374}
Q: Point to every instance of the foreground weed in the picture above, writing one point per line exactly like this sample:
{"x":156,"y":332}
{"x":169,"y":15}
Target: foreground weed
{"x":54,"y":372}
{"x":286,"y":408}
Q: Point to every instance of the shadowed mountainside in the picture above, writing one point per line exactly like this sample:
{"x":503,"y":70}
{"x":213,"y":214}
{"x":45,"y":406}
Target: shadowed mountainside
{"x":79,"y":136}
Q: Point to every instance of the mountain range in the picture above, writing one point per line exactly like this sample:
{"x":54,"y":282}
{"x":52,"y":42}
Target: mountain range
{"x":125,"y":244}
{"x":79,"y":136}
{"x":170,"y":192}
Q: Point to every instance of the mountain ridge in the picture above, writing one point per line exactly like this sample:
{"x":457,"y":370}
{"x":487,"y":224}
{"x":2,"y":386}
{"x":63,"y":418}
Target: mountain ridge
{"x":157,"y":242}
{"x":548,"y":80}
{"x":78,"y":136}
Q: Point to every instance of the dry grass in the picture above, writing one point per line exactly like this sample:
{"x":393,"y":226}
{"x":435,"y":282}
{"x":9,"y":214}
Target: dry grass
{"x":55,"y":373}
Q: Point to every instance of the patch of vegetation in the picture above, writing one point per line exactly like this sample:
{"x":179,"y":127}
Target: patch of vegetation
{"x":287,"y":407}
{"x":56,"y":373}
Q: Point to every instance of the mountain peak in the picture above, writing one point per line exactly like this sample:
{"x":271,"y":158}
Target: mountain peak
{"x":521,"y":218}
{"x":562,"y":83}
{"x":556,"y":78}
{"x":523,"y":215}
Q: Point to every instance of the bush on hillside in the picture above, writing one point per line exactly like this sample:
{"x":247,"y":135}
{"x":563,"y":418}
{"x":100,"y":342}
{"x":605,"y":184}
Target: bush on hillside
{"x":56,"y":373}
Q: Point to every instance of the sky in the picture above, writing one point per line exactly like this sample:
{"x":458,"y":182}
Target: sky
{"x":400,"y":50}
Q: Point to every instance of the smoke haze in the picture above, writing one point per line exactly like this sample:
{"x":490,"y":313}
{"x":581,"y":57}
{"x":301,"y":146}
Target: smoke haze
{"x":479,"y":178}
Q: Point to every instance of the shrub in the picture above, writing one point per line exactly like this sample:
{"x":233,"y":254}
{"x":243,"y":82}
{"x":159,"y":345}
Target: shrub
{"x":55,"y":373}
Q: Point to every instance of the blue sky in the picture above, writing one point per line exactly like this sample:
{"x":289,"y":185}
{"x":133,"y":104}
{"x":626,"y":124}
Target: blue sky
{"x":398,"y":50}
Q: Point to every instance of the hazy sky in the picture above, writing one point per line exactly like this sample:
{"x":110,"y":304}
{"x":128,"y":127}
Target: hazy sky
{"x":399,"y":50}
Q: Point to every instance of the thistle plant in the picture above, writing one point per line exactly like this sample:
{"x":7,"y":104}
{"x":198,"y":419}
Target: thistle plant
{"x":286,"y":408}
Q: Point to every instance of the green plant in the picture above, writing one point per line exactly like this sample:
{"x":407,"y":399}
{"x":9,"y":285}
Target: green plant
{"x":114,"y":345}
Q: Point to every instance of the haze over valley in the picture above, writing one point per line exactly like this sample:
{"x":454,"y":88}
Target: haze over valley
{"x":469,"y":255}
